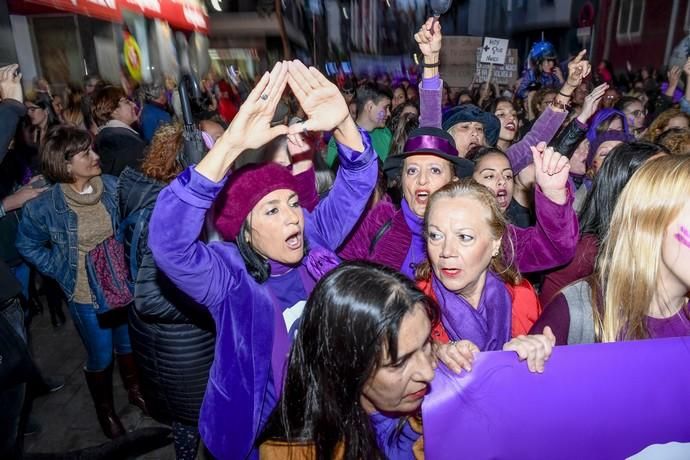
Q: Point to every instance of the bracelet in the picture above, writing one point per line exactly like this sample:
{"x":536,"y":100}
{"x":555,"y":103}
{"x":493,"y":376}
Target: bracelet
{"x":3,"y":213}
{"x":425,"y":65}
{"x":556,"y":103}
{"x":565,"y":95}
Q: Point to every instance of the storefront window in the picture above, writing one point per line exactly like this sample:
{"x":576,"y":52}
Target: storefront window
{"x":58,"y":48}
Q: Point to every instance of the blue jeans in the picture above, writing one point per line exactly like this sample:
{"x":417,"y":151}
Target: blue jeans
{"x":22,"y":272}
{"x":101,"y":334}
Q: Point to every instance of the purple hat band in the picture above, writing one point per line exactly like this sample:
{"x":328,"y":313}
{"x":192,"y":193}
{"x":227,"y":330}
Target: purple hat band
{"x":428,"y":143}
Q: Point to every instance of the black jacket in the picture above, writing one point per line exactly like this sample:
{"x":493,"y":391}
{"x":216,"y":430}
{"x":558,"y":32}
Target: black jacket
{"x":569,"y":138}
{"x":118,"y":148}
{"x":173,"y":339}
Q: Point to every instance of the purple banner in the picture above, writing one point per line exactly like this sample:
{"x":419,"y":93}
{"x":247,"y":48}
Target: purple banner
{"x":601,"y":401}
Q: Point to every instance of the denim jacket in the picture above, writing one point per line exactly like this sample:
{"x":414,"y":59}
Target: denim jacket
{"x":47,"y":236}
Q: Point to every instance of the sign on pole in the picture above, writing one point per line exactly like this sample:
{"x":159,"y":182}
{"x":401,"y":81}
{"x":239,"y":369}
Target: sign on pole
{"x":494,"y":51}
{"x":501,"y":74}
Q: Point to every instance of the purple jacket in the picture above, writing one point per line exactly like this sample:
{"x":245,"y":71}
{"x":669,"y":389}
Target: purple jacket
{"x":239,"y":397}
{"x":550,"y":243}
{"x":519,"y":154}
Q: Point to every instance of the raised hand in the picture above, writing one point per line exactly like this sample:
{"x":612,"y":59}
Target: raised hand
{"x":320,"y":99}
{"x":673,"y":76}
{"x":251,"y":127}
{"x":591,"y":104}
{"x":535,"y":349}
{"x":10,"y":83}
{"x":578,"y":69}
{"x":551,"y":173}
{"x":429,"y":40}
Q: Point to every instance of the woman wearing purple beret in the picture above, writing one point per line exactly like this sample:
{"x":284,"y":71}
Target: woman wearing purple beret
{"x":255,"y":287}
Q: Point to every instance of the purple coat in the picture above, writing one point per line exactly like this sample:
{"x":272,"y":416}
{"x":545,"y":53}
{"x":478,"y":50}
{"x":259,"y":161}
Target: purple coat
{"x":550,"y":243}
{"x":239,"y":396}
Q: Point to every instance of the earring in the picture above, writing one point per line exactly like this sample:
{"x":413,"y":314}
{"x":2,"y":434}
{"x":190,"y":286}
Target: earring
{"x":495,"y":254}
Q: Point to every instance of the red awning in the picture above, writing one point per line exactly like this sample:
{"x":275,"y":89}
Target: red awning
{"x":180,"y":14}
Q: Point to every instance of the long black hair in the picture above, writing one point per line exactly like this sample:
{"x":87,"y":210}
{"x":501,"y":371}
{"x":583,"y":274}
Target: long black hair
{"x":621,"y":163}
{"x":351,"y":317}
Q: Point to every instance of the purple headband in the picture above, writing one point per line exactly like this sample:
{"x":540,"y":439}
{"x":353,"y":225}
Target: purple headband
{"x":431,"y":144}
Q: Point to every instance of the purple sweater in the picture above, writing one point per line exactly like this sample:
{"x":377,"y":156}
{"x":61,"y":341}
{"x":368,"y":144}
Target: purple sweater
{"x":550,"y":243}
{"x":239,"y":396}
{"x":519,"y":154}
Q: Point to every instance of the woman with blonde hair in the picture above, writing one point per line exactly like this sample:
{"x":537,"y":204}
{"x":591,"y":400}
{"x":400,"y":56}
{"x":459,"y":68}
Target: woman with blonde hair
{"x":644,"y":265}
{"x":668,"y":119}
{"x":470,"y":272}
{"x":642,"y":277}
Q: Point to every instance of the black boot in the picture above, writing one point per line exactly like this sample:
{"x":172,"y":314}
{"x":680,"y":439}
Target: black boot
{"x":101,"y":388}
{"x":130,"y":378}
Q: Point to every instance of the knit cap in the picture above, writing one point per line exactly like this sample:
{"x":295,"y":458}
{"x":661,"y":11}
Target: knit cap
{"x":245,"y":188}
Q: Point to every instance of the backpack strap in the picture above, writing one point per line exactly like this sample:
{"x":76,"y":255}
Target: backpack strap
{"x":579,"y":298}
{"x":379,"y":234}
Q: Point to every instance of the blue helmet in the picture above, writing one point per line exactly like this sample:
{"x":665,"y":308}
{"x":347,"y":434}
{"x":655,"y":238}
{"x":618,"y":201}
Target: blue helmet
{"x":542,"y":51}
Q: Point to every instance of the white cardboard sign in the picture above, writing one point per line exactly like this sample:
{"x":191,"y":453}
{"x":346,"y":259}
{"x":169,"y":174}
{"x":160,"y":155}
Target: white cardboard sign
{"x":494,"y":51}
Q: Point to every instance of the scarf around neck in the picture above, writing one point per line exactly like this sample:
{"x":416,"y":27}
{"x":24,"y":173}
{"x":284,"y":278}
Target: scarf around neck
{"x":416,"y":253}
{"x":488,"y":325}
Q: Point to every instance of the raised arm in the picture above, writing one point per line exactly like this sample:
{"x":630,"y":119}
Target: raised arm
{"x":548,"y":123}
{"x":552,"y":241}
{"x":576,"y":131}
{"x":431,"y":89}
{"x":336,"y":215}
{"x":202,"y":272}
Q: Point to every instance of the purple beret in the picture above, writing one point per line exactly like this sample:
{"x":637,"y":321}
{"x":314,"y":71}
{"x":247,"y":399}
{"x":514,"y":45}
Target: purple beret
{"x":245,"y":188}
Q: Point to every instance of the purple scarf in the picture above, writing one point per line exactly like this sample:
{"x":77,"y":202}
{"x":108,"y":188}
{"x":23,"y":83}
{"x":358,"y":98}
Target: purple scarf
{"x":416,"y":254}
{"x":487,"y":326}
{"x":395,"y":441}
{"x":313,"y":267}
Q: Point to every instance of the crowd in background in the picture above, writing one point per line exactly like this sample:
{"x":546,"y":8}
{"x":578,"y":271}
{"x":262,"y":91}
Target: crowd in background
{"x":493,"y":217}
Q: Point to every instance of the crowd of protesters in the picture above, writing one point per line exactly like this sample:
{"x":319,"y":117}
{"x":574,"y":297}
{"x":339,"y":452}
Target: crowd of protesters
{"x":294,"y":291}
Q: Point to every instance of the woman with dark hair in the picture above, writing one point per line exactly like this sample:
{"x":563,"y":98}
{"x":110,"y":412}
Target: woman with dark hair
{"x":173,"y":339}
{"x":596,"y":213}
{"x":117,"y":143}
{"x":355,"y":392}
{"x":400,"y":111}
{"x":399,"y":96}
{"x":57,"y":231}
{"x":342,"y":380}
{"x":635,"y":114}
{"x":256,"y":282}
{"x":41,"y":117}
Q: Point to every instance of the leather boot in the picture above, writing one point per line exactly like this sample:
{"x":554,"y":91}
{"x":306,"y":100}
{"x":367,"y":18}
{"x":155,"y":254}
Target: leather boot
{"x":101,"y":387}
{"x":130,"y":378}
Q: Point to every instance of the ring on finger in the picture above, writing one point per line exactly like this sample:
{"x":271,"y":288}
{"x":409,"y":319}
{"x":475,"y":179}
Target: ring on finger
{"x":264,"y":97}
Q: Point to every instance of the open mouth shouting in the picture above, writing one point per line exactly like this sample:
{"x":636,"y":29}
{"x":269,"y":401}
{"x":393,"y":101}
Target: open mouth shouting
{"x":502,"y":198}
{"x":511,"y":126}
{"x":421,"y":196}
{"x":295,"y":241}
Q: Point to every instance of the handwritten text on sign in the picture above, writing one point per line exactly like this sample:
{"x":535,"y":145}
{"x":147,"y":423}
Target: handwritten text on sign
{"x":494,"y":51}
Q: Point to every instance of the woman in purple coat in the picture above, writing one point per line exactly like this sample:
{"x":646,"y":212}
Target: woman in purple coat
{"x":256,"y":287}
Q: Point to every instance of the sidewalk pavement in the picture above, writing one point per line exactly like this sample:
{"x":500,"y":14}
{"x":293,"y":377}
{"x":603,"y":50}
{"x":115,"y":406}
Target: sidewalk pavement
{"x":67,"y":417}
